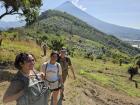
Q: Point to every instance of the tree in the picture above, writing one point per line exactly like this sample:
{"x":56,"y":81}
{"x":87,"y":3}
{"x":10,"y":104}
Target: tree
{"x":56,"y":44}
{"x":27,"y":8}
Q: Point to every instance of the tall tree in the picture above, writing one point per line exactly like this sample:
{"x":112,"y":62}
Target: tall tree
{"x":27,"y":8}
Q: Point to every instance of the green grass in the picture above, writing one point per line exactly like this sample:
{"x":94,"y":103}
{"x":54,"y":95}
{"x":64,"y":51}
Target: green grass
{"x":10,"y":49}
{"x":96,"y":76}
{"x":115,"y":77}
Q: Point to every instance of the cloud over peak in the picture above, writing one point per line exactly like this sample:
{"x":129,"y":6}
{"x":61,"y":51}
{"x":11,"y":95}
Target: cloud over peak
{"x":76,"y":3}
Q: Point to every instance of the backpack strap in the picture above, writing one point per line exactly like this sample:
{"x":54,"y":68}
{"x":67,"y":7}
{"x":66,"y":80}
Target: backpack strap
{"x":36,"y":75}
{"x":57,"y":68}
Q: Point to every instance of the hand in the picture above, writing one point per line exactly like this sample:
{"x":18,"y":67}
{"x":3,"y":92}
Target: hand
{"x":61,"y":90}
{"x":42,"y":75}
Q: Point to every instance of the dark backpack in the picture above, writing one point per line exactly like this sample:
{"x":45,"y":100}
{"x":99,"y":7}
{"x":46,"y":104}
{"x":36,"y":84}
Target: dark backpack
{"x":35,"y":93}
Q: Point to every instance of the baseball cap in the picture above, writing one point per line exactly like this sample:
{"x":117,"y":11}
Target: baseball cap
{"x":63,"y":49}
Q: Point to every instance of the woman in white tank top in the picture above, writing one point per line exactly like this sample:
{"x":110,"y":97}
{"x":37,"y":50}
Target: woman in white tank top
{"x":53,"y":75}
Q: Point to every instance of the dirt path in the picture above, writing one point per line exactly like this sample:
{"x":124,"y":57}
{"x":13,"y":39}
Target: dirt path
{"x":85,"y":92}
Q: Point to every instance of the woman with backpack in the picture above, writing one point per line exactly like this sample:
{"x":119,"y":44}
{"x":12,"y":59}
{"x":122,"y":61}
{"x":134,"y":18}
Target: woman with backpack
{"x":53,"y":76}
{"x":19,"y":86}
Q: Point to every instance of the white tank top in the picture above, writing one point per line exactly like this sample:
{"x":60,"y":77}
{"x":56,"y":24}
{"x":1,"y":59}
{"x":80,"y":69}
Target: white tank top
{"x":52,"y":71}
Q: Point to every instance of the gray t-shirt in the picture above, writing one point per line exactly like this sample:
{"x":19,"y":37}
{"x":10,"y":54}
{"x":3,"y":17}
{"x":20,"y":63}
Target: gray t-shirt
{"x":65,"y":62}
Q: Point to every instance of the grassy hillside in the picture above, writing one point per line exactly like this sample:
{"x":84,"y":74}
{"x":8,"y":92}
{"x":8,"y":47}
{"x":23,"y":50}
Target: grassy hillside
{"x":109,"y":75}
{"x":83,"y":42}
{"x":61,"y":29}
{"x":54,"y":24}
{"x":106,"y":74}
{"x":58,"y":23}
{"x":10,"y":48}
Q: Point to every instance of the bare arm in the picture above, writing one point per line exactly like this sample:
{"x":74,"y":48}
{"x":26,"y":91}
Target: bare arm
{"x":71,"y":67}
{"x":13,"y":92}
{"x":10,"y":98}
{"x":42,"y":70}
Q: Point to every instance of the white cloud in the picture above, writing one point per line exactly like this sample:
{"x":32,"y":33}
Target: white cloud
{"x":75,"y":2}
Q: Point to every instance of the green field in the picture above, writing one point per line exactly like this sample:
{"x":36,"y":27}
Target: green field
{"x":108,"y":75}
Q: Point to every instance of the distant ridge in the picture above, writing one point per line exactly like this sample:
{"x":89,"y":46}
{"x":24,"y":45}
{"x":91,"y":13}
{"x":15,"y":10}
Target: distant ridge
{"x":118,"y":31}
{"x":6,"y":25}
{"x":61,"y":23}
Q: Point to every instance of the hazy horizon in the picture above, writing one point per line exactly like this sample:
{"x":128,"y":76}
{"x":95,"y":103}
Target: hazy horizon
{"x":123,"y":13}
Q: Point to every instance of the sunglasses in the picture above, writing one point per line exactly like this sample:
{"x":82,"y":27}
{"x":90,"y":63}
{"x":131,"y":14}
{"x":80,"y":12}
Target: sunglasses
{"x":30,"y":60}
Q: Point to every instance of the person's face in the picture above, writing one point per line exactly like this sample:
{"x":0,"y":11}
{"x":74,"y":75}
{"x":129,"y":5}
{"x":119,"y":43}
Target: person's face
{"x":29,"y":63}
{"x":63,"y":53}
{"x":54,"y":57}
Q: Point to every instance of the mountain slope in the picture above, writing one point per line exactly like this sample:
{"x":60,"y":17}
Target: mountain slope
{"x":118,"y":31}
{"x":58,"y":22}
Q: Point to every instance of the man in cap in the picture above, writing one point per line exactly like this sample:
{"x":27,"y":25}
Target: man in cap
{"x":65,"y":63}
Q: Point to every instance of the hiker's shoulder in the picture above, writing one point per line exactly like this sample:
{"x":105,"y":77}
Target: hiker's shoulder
{"x":57,"y":63}
{"x":17,"y":76}
{"x":45,"y":63}
{"x":19,"y":80}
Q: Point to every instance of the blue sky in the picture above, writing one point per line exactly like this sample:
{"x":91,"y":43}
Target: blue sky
{"x":119,"y":12}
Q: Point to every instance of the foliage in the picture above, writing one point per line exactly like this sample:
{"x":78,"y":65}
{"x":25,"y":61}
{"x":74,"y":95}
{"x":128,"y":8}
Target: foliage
{"x":56,"y":44}
{"x":80,"y":38}
{"x":27,"y":8}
